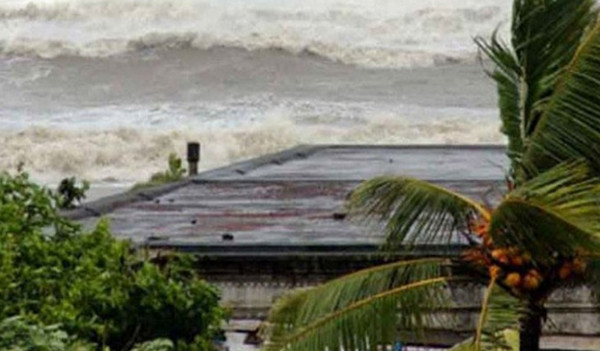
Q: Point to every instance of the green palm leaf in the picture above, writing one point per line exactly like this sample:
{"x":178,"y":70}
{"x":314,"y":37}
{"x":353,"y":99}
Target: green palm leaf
{"x":414,"y":211}
{"x":361,"y":310}
{"x":569,"y":128}
{"x":499,"y":314}
{"x":507,"y":75}
{"x":545,"y":38}
{"x":510,"y":339}
{"x":498,"y":325}
{"x":555,"y":213}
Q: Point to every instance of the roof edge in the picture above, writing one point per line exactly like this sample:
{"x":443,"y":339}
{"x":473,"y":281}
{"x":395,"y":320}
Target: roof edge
{"x":108,"y":204}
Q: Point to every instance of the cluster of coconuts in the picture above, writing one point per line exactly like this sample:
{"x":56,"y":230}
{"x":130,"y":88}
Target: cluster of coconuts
{"x":514,"y":268}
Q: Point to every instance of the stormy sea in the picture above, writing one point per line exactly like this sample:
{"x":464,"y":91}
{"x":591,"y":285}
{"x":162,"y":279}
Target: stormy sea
{"x":105,"y":90}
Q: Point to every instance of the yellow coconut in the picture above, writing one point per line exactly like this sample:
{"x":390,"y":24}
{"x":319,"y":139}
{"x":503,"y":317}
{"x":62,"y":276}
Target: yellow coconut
{"x":513,"y":279}
{"x":500,"y":256}
{"x":532,"y":280}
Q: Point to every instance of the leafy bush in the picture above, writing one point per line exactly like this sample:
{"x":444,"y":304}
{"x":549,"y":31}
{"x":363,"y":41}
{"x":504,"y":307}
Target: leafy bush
{"x":69,"y":193}
{"x":175,"y":172}
{"x":18,"y":335}
{"x":95,"y":286}
{"x":26,"y":207}
{"x":155,"y":345}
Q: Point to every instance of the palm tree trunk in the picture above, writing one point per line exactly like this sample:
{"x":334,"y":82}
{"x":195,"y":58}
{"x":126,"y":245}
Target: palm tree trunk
{"x":531,"y":329}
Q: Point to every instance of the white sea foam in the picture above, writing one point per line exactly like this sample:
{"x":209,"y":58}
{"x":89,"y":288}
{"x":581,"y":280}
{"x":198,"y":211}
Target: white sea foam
{"x":117,"y":119}
{"x":127,"y":154}
{"x":380,"y":33}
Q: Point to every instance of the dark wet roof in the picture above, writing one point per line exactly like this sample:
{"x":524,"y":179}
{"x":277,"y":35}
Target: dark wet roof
{"x":294,"y":197}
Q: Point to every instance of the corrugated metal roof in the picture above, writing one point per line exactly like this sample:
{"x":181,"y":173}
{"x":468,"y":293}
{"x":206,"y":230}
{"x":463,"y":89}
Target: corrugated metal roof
{"x":290,"y":198}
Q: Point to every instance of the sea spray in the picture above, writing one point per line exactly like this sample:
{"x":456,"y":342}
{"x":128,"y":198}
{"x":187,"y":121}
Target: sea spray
{"x":127,"y":155}
{"x":105,"y":90}
{"x":373,"y":33}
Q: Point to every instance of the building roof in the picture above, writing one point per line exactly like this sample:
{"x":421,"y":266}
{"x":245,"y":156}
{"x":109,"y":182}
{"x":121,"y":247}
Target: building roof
{"x":289,"y":199}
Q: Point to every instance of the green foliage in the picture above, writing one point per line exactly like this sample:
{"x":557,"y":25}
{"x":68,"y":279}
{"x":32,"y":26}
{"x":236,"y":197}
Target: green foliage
{"x":334,"y":316}
{"x":500,"y":313}
{"x":509,"y":336}
{"x":554,"y":213}
{"x":155,"y":345}
{"x":92,"y":284}
{"x":16,"y":334}
{"x":568,"y":128}
{"x":174,"y":173}
{"x":546,"y":35}
{"x":69,"y":193}
{"x":508,"y":77}
{"x":414,"y":211}
{"x":27,"y":207}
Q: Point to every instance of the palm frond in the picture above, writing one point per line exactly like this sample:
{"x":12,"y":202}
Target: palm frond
{"x":414,"y":211}
{"x":569,"y":127}
{"x":360,"y":310}
{"x":507,"y":75}
{"x":554,"y":213}
{"x":483,"y":314}
{"x":498,"y":325}
{"x":510,"y":342}
{"x":545,"y":37}
{"x":499,"y":314}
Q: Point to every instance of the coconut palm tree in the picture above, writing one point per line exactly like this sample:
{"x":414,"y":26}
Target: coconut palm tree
{"x":538,"y":238}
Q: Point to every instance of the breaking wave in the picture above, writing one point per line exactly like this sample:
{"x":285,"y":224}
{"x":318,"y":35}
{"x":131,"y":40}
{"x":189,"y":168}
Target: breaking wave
{"x":127,"y":155}
{"x":373,"y":33}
